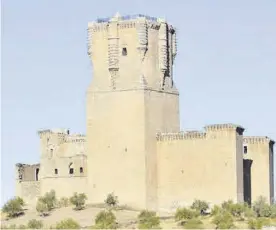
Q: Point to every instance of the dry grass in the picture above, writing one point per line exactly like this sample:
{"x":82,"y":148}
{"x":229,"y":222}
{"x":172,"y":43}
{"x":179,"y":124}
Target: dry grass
{"x":85,"y":217}
{"x":127,"y":218}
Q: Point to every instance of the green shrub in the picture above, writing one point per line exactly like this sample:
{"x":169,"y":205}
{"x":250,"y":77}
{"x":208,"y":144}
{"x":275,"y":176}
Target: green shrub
{"x":68,"y":224}
{"x":63,"y":202}
{"x":42,"y":208}
{"x":111,"y":200}
{"x":35,"y":224}
{"x":261,"y":208}
{"x":226,"y":205}
{"x":200,"y":206}
{"x":78,"y":200}
{"x":14,"y":207}
{"x":266,"y":211}
{"x":49,"y":199}
{"x":273,"y":210}
{"x":184,"y":214}
{"x":258,"y":223}
{"x":215,"y":210}
{"x":105,"y":220}
{"x":22,"y":226}
{"x":249,"y":213}
{"x":148,"y":220}
{"x":223,"y":220}
{"x":237,"y":210}
{"x":193,"y":224}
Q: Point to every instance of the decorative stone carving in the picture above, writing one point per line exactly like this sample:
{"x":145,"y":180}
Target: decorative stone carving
{"x":89,"y":41}
{"x":153,"y":25}
{"x":127,"y":25}
{"x":113,"y":77}
{"x":113,"y":52}
{"x":100,"y":27}
{"x":163,"y":51}
{"x":142,"y":31}
{"x":174,"y":45}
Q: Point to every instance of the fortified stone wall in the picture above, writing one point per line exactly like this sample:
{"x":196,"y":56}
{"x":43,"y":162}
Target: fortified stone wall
{"x":63,"y":167}
{"x":196,"y":165}
{"x":132,"y":97}
{"x":29,"y":191}
{"x":28,"y":182}
{"x":63,"y":162}
{"x":259,"y":150}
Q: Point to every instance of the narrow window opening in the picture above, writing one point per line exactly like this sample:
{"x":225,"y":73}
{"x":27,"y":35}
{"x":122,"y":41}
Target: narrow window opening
{"x":245,"y":149}
{"x":124,"y":51}
{"x":56,"y":171}
{"x":81,"y":169}
{"x":36,"y":174}
{"x":71,"y":171}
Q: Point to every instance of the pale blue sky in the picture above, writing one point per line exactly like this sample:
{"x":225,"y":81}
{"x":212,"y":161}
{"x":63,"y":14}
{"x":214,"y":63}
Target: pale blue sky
{"x":225,"y":69}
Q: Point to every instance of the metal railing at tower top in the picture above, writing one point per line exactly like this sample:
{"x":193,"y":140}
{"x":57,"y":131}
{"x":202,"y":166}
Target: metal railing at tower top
{"x":128,"y":17}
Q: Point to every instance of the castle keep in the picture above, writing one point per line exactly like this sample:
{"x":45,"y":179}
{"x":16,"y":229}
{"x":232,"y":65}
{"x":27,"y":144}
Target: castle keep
{"x":133,"y":145}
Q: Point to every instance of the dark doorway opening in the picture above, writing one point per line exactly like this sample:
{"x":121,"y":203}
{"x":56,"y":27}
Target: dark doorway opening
{"x":36,"y":174}
{"x":247,"y":180}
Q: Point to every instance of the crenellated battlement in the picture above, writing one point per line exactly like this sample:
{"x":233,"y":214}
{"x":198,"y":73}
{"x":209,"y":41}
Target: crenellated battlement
{"x":53,"y":131}
{"x":133,"y":33}
{"x":127,"y":17}
{"x":180,"y":136}
{"x":195,"y":134}
{"x":75,"y":138}
{"x":126,"y":22}
{"x":223,"y":127}
{"x":258,"y":140}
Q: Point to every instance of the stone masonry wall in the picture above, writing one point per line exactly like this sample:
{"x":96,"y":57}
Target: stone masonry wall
{"x":199,"y":165}
{"x":29,"y":191}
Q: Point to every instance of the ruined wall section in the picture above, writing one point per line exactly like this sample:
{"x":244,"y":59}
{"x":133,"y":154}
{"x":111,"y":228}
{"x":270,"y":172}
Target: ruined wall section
{"x":63,"y":162}
{"x":27,"y":182}
{"x":260,"y":151}
{"x":199,"y":165}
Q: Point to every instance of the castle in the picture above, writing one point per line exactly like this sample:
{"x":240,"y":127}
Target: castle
{"x":134,"y":146}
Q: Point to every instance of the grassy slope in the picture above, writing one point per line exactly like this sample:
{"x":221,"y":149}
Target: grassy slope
{"x":86,"y":218}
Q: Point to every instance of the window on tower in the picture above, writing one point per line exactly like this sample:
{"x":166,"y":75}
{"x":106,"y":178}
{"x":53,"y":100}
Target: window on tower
{"x":71,"y":171}
{"x":71,"y":168}
{"x":124,"y":51}
{"x":245,"y":149}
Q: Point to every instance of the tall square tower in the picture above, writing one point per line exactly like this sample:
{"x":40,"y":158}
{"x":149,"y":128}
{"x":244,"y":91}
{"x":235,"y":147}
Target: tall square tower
{"x":131,"y":97}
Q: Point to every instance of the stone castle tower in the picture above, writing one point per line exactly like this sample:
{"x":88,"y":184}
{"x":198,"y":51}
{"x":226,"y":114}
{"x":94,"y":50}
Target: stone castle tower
{"x":130,"y":99}
{"x":133,"y":146}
